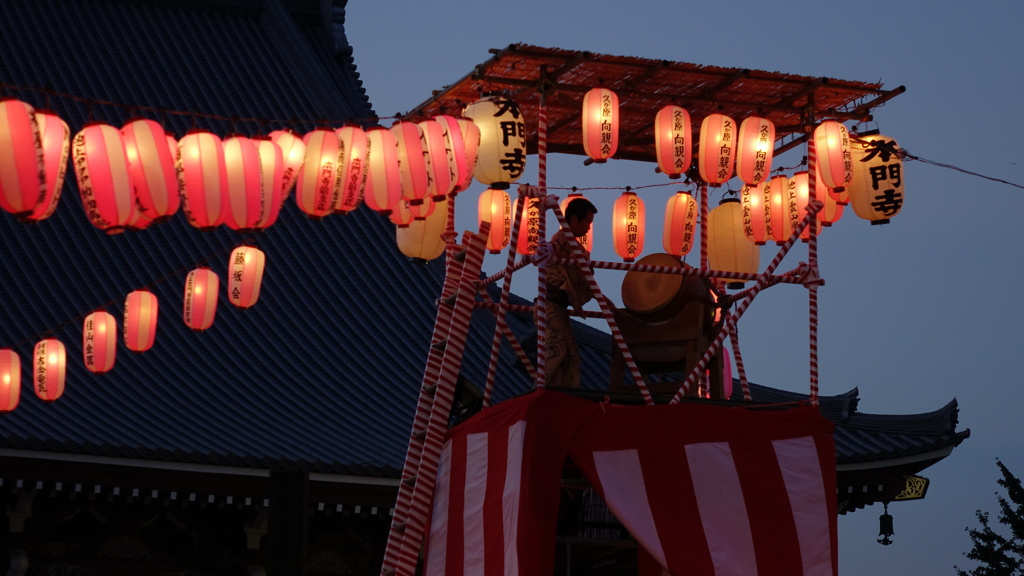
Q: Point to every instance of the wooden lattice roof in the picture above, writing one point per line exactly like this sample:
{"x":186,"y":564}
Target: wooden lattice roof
{"x":644,"y":86}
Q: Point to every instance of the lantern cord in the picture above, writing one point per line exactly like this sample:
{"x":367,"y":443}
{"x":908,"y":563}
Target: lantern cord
{"x":908,"y":156}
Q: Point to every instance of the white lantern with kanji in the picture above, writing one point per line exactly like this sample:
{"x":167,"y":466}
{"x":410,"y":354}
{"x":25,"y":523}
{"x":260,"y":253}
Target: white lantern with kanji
{"x":202,"y":179}
{"x":201,"y":292}
{"x":673,"y":140}
{"x":680,"y":224}
{"x":628,"y":226}
{"x":876,"y":191}
{"x":501,"y":157}
{"x":754,"y":149}
{"x":245,"y":275}
{"x":834,"y":160}
{"x":716,"y":153}
{"x":101,"y":168}
{"x":729,"y":249}
{"x":600,"y":124}
{"x":10,"y":380}
{"x":495,"y":207}
{"x":49,"y":369}
{"x":99,"y":342}
{"x":141,"y":312}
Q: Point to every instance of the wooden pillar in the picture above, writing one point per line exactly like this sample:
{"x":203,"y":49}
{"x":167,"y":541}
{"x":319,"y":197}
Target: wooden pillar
{"x":289,"y":494}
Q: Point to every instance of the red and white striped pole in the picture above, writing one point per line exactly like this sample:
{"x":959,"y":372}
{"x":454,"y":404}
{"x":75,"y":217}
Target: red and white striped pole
{"x":542,"y":272}
{"x":812,"y":260}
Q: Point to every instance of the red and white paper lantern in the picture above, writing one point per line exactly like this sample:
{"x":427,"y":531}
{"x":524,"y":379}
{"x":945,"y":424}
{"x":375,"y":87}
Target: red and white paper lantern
{"x":201,"y":291}
{"x":717,"y":149}
{"x":99,"y":342}
{"x":460,"y":172}
{"x":834,"y":160}
{"x":55,"y":137}
{"x":248,"y":199}
{"x":353,"y":168}
{"x":680,"y":224}
{"x":141,"y":311}
{"x":101,"y":168}
{"x":778,"y":221}
{"x":383,"y":188}
{"x":316,"y":189}
{"x":21,"y":159}
{"x":754,"y":149}
{"x":673,"y":140}
{"x":293,"y":153}
{"x":439,"y":177}
{"x":151,"y":166}
{"x":202,"y":179}
{"x":49,"y":369}
{"x":501,"y":157}
{"x":413,"y":162}
{"x":10,"y":380}
{"x":756,"y":212}
{"x":275,"y":186}
{"x":600,"y":124}
{"x":245,"y":275}
{"x":495,"y":206}
{"x":628,"y":221}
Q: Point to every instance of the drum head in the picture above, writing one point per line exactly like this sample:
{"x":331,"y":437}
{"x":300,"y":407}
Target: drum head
{"x":650,"y":292}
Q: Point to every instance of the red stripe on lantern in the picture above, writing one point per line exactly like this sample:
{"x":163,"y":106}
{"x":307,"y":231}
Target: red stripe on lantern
{"x":353,"y":168}
{"x":673,"y":140}
{"x":55,"y":137}
{"x":101,"y":168}
{"x":10,"y":380}
{"x":49,"y":369}
{"x":141,"y":311}
{"x":383,"y":184}
{"x":21,"y":159}
{"x":99,"y":342}
{"x":151,"y":166}
{"x":202,"y":179}
{"x":201,"y":288}
{"x":245,"y":275}
{"x":529,"y":227}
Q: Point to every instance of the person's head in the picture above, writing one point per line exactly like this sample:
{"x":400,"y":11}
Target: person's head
{"x":579,"y":213}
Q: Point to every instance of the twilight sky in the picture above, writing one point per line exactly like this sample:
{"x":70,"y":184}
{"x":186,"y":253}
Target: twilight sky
{"x":914,"y":313}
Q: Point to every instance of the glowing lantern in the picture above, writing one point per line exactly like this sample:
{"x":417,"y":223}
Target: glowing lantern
{"x":272,"y":175}
{"x":628,"y":220}
{"x":471,"y":142}
{"x":383,"y":184}
{"x":680,"y":223}
{"x":832,"y":145}
{"x":460,"y":171}
{"x":673,"y":140}
{"x":717,"y":149}
{"x":586,"y":242}
{"x":754,"y":150}
{"x":248,"y":199}
{"x":101,"y":167}
{"x":49,"y":369}
{"x":201,"y":287}
{"x":21,"y":159}
{"x":353,"y":168}
{"x":413,"y":162}
{"x":529,"y":227}
{"x":753,"y":203}
{"x":424,"y":239}
{"x":422,"y":210}
{"x":729,"y":249}
{"x":99,"y":342}
{"x":293,"y":153}
{"x":401,"y":216}
{"x":495,"y":206}
{"x":152,"y":170}
{"x":501,"y":157}
{"x":799,"y":193}
{"x":831,"y":210}
{"x":876,"y":192}
{"x":202,"y":179}
{"x":56,"y":141}
{"x":10,"y":380}
{"x":316,"y":189}
{"x":778,"y":223}
{"x":245,"y":275}
{"x":439,"y":177}
{"x":141,"y":310}
{"x":600,"y":124}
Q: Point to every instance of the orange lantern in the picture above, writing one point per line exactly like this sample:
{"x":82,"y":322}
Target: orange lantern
{"x":316,"y":188}
{"x":151,"y":165}
{"x":423,"y":210}
{"x":778,"y":222}
{"x":413,"y":161}
{"x":471,"y":143}
{"x":439,"y":177}
{"x":49,"y":369}
{"x":729,"y":249}
{"x":600,"y":124}
{"x":201,"y":287}
{"x":754,"y":206}
{"x":99,"y":342}
{"x":673,"y":140}
{"x":293,"y":154}
{"x":383,"y":186}
{"x":754,"y":150}
{"x":799,"y":193}
{"x":529,"y":227}
{"x":202,"y":179}
{"x":248,"y":199}
{"x":586,"y":242}
{"x":10,"y":380}
{"x":101,"y":167}
{"x":21,"y":159}
{"x":832,"y":146}
{"x":272,"y":176}
{"x":628,"y":221}
{"x":501,"y":157}
{"x":424,"y":239}
{"x":717,"y":149}
{"x":495,"y":206}
{"x":245,"y":275}
{"x":460,"y":172}
{"x":141,"y":310}
{"x":680,"y":224}
{"x":876,"y":192}
{"x":401,"y":216}
{"x":353,"y":168}
{"x":831,"y":210}
{"x":56,"y":141}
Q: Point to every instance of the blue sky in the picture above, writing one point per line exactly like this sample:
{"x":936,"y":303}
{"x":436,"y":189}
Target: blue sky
{"x":914,"y":313}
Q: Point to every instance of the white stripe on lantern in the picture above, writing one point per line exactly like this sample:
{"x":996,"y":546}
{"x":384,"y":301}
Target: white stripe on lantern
{"x":49,"y":369}
{"x":21,"y":159}
{"x":245,"y":275}
{"x":10,"y":380}
{"x":101,"y":168}
{"x":141,"y":311}
{"x":151,"y":166}
{"x":202,"y":179}
{"x":99,"y":342}
{"x":55,"y":137}
{"x":201,"y":292}
{"x":383,"y":188}
{"x":316,"y":189}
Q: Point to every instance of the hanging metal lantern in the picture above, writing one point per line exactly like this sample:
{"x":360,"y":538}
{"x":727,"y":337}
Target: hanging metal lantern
{"x":272,"y":175}
{"x":248,"y":199}
{"x":471,"y":142}
{"x":495,"y":206}
{"x":49,"y":369}
{"x":501,"y":157}
{"x":459,"y":170}
{"x":754,"y":150}
{"x":673,"y":140}
{"x":101,"y":168}
{"x":586,"y":242}
{"x":799,"y":193}
{"x":729,"y":249}
{"x":10,"y":380}
{"x":600,"y":124}
{"x":201,"y":292}
{"x":21,"y":159}
{"x":353,"y":168}
{"x":316,"y":188}
{"x":141,"y":311}
{"x":439,"y":176}
{"x":717,"y":150}
{"x":151,"y":166}
{"x":202,"y":179}
{"x":293,"y":154}
{"x":529,"y":227}
{"x":832,"y":146}
{"x":245,"y":275}
{"x":876,"y":192}
{"x":99,"y":342}
{"x":778,"y":222}
{"x":424,"y":239}
{"x":680,"y":224}
{"x":383,"y":188}
{"x":756,"y":212}
{"x":55,"y":137}
{"x":628,"y":222}
{"x":413,"y":162}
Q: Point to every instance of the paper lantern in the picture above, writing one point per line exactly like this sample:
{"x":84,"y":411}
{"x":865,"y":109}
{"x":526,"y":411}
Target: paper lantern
{"x":778,"y":222}
{"x":49,"y":369}
{"x":383,"y":187}
{"x":10,"y":380}
{"x":756,"y":212}
{"x":202,"y":179}
{"x":272,"y":170}
{"x":831,"y":210}
{"x":501,"y":156}
{"x":600,"y":124}
{"x":673,"y":140}
{"x":832,"y":146}
{"x":21,"y":159}
{"x":495,"y":206}
{"x":248,"y":199}
{"x":55,"y":137}
{"x":585,"y":242}
{"x":293,"y":153}
{"x":424,"y":239}
{"x":99,"y":342}
{"x":353,"y":168}
{"x":628,"y":221}
{"x":101,"y":168}
{"x":471,"y":142}
{"x":422,"y":210}
{"x":141,"y":311}
{"x":201,"y":287}
{"x":717,"y":149}
{"x":401,"y":216}
{"x":729,"y":249}
{"x":439,"y":176}
{"x":876,"y":190}
{"x":316,"y":189}
{"x":799,"y":193}
{"x":413,"y":162}
{"x":151,"y":166}
{"x":680,"y":224}
{"x":245,"y":275}
{"x":529,"y":227}
{"x":460,"y":171}
{"x":754,"y":150}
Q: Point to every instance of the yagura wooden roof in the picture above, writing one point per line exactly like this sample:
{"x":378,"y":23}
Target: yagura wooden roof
{"x":644,"y":86}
